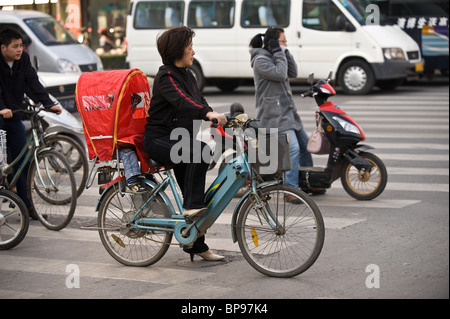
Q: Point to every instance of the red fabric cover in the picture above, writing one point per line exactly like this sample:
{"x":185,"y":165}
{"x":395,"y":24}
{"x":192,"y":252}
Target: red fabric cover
{"x":113,"y":106}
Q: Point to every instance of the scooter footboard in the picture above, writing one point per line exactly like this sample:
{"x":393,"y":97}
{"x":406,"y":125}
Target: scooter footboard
{"x":315,"y":178}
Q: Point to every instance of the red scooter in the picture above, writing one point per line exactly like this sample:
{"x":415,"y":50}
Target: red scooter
{"x":363,"y":174}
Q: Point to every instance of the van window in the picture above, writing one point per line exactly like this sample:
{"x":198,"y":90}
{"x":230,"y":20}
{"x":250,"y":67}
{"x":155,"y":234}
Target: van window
{"x":159,"y":14}
{"x":211,"y":14}
{"x":50,"y":32}
{"x":265,"y":13}
{"x":320,"y":15}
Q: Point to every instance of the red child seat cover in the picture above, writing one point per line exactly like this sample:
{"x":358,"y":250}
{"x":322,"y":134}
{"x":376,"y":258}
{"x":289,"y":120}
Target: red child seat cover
{"x":113,"y":106}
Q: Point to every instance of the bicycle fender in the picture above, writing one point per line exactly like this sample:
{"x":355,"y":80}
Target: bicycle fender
{"x":363,"y":147}
{"x":238,"y":207}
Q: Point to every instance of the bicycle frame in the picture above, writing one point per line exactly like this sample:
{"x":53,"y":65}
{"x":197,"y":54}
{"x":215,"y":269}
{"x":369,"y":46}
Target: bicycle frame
{"x":217,"y":198}
{"x":31,"y":148}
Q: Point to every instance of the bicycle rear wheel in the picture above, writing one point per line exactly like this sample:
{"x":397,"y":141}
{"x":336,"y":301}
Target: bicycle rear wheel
{"x":54,"y":197}
{"x":14,"y":219}
{"x":289,"y":241}
{"x":126,"y":244}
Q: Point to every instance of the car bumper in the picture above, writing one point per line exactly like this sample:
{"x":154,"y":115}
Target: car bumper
{"x":390,"y":70}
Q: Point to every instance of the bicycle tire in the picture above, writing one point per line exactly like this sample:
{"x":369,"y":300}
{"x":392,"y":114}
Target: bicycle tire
{"x":14,"y":220}
{"x":292,"y":247}
{"x":75,"y":155}
{"x":127,"y":245}
{"x":54,"y":206}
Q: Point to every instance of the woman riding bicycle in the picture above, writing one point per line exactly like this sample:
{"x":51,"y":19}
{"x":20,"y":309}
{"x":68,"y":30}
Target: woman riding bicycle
{"x":176,"y":103}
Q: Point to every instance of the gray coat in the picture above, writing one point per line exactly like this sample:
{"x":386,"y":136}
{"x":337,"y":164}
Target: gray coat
{"x":274,"y":103}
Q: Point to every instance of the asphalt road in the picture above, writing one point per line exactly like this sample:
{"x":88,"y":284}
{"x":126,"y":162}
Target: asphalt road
{"x":396,"y":246}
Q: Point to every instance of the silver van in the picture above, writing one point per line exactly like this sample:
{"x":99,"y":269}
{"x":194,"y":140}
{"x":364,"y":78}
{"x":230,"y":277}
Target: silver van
{"x":52,"y":48}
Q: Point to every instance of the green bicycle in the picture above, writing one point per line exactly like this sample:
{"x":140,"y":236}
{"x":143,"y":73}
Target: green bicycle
{"x":51,"y":185}
{"x":279,"y":228}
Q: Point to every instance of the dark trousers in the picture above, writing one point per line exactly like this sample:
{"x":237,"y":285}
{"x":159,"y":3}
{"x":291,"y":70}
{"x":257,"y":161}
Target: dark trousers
{"x":16,"y":138}
{"x":190,"y":172}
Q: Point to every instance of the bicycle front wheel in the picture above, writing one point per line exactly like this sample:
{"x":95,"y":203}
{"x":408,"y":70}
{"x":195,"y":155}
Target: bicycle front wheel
{"x":52,"y":190}
{"x":126,"y":244}
{"x":14,"y":220}
{"x":284,"y":236}
{"x":75,"y":154}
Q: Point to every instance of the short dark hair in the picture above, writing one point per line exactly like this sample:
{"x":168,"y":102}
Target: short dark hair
{"x":8,"y":34}
{"x":171,"y":44}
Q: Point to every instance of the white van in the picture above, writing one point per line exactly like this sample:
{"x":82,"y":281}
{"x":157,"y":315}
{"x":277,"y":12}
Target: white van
{"x":323,"y":36}
{"x":51,"y":47}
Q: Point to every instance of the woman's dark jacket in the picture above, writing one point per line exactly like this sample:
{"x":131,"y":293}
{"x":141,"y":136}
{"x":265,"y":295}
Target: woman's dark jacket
{"x":18,"y":80}
{"x":175,"y":102}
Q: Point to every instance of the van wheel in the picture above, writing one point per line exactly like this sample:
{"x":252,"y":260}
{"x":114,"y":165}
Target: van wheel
{"x":198,"y":75}
{"x":356,"y":77}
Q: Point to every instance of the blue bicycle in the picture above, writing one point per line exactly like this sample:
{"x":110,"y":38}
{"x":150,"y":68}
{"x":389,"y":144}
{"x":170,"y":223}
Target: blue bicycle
{"x":279,"y":228}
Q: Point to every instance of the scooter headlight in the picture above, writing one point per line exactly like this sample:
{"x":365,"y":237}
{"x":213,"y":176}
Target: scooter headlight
{"x":349,"y":127}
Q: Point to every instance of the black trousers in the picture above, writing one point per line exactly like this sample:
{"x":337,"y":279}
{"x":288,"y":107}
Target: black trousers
{"x":190,"y":172}
{"x":191,"y":159}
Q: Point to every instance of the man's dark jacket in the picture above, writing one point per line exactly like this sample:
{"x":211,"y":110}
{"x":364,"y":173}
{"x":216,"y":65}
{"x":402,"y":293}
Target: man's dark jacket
{"x":175,"y":102}
{"x":18,"y":80}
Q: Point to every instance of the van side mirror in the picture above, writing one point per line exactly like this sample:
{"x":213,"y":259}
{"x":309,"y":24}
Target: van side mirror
{"x":311,"y":79}
{"x":26,"y":40}
{"x":330,"y":76}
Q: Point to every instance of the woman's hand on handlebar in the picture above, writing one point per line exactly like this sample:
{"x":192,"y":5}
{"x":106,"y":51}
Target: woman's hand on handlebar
{"x":217,"y":118}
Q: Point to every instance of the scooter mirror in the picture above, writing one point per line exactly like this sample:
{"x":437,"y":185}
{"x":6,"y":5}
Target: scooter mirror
{"x":330,"y":76}
{"x":311,"y":79}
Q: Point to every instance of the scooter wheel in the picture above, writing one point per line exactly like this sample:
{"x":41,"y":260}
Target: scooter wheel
{"x":365,"y":184}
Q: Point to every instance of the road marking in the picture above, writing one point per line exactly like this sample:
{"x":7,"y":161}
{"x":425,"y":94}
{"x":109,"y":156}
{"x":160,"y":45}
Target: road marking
{"x":414,"y":157}
{"x":409,"y":187}
{"x":418,"y":171}
{"x":410,"y":146}
{"x":326,"y":201}
{"x":153,"y":274}
{"x":14,"y":294}
{"x":196,"y":291}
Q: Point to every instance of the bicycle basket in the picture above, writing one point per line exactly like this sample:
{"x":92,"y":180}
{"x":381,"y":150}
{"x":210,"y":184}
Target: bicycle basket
{"x":3,"y":151}
{"x":269,"y":154}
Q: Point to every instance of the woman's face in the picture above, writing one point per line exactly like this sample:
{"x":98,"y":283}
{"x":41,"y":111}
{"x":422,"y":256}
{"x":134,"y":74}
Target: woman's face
{"x":282,"y":39}
{"x":188,"y":59}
